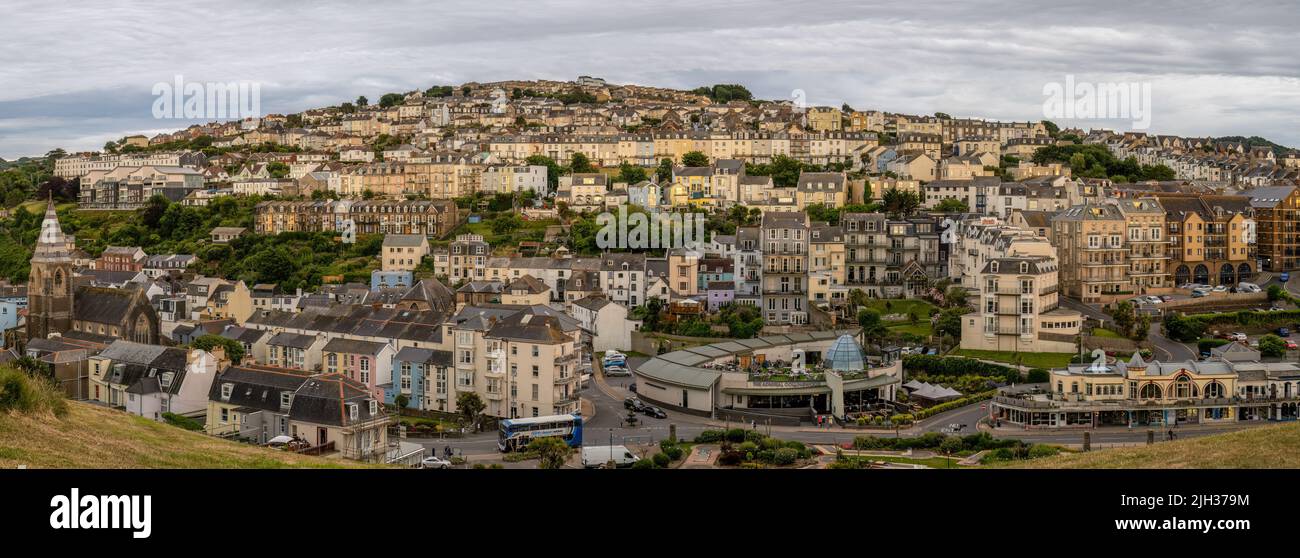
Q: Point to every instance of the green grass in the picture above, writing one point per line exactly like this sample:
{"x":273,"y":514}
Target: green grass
{"x":1032,"y":360}
{"x":1103,"y":332}
{"x":1271,"y":447}
{"x":902,"y":306}
{"x":922,"y":328}
{"x":93,"y":437}
{"x":931,"y":462}
{"x":530,"y":230}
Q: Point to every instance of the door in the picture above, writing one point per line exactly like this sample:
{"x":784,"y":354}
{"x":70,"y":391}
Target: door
{"x":685,"y":399}
{"x":322,"y":436}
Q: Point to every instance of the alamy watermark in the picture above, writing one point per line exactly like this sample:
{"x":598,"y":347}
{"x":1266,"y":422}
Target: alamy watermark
{"x":1085,"y":100}
{"x":642,"y":231}
{"x":207,"y":100}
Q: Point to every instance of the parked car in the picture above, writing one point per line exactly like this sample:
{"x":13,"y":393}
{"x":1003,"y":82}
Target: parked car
{"x":1166,"y":298}
{"x":1239,"y":336}
{"x":613,"y":371}
{"x":1221,"y":289}
{"x":1283,"y":332}
{"x":1284,"y":277}
{"x":435,"y":462}
{"x":1153,"y":299}
{"x":633,"y":403}
{"x":1290,"y":345}
{"x":599,"y":456}
{"x":655,"y":412}
{"x":1198,"y":293}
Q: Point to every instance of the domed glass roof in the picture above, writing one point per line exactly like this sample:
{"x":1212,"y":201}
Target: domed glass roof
{"x":845,"y":355}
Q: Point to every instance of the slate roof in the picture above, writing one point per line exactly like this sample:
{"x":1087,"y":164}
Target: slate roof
{"x":324,"y":399}
{"x":353,"y":346}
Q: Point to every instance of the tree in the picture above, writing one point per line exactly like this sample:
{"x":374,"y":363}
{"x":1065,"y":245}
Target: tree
{"x":952,"y":205}
{"x":580,"y":163}
{"x":955,"y":296}
{"x":278,"y":170}
{"x":695,"y":159}
{"x":506,"y":223}
{"x":665,"y":171}
{"x":1052,"y":128}
{"x":949,"y":323}
{"x":362,"y":101}
{"x":390,"y":99}
{"x":1142,"y":328}
{"x":552,"y":452}
{"x":873,"y":327}
{"x":1271,"y":346}
{"x":402,"y":400}
{"x":899,"y":202}
{"x":631,"y":174}
{"x":234,"y":349}
{"x":1275,"y":292}
{"x":470,"y":405}
{"x":1124,"y":318}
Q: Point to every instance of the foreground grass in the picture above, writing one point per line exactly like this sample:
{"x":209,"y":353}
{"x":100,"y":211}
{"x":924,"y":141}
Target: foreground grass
{"x":1032,"y":360}
{"x":91,"y":437}
{"x":1265,"y":447}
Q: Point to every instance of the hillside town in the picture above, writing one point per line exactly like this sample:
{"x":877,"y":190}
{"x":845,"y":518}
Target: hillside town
{"x":417,"y":277}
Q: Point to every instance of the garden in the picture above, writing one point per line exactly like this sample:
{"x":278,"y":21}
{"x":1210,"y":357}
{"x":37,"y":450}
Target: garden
{"x":752,"y":449}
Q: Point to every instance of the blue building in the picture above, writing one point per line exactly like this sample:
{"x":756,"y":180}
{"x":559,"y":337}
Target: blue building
{"x":421,"y":373}
{"x":381,"y":279}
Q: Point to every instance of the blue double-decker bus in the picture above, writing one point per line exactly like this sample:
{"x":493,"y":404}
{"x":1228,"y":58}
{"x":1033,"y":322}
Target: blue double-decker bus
{"x":514,"y":434}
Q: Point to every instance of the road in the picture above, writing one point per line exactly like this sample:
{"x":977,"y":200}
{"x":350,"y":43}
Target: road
{"x":1166,"y":348}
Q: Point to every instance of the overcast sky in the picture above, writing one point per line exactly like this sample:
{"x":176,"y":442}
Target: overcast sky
{"x":76,"y":76}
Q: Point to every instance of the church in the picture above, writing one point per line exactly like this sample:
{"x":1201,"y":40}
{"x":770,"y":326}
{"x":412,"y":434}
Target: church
{"x":56,"y":304}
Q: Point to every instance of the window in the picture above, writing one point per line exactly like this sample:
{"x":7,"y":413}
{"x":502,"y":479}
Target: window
{"x":374,"y":407}
{"x":535,"y":352}
{"x":286,"y":399}
{"x":353,"y":411}
{"x":225,"y":391}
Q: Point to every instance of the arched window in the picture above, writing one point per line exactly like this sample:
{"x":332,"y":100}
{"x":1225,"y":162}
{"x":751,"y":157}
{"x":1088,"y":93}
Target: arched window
{"x":1184,"y":388}
{"x":1214,"y":390}
{"x":1149,"y":391}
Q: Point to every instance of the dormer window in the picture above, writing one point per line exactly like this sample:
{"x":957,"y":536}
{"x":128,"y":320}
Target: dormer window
{"x":286,"y":399}
{"x":352,"y":411}
{"x":226,"y":390}
{"x":374,"y":407}
{"x":166,"y":380}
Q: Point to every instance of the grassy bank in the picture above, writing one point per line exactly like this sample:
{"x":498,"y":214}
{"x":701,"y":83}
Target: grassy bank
{"x":92,"y":437}
{"x":1264,"y":447}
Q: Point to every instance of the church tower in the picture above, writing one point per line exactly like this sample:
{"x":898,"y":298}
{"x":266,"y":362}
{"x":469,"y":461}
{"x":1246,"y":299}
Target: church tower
{"x":49,"y":286}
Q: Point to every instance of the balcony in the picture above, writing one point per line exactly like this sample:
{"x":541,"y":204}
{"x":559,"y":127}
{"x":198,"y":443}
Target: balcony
{"x":565,"y":359}
{"x":565,"y":379}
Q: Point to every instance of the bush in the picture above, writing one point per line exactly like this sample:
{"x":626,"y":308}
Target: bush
{"x":662,"y":460}
{"x":1038,"y":376}
{"x":951,"y":445}
{"x":25,"y":393}
{"x":958,"y":366}
{"x":785,"y":456}
{"x":748,"y":447}
{"x":181,"y":421}
{"x":710,"y":437}
{"x":736,"y":435}
{"x":1042,"y":450}
{"x":767,"y":456}
{"x":644,"y":464}
{"x":1272,"y":346}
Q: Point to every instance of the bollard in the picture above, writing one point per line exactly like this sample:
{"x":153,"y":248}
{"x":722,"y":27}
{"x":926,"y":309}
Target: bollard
{"x":1151,"y":437}
{"x":1087,"y":441}
{"x":672,"y":432}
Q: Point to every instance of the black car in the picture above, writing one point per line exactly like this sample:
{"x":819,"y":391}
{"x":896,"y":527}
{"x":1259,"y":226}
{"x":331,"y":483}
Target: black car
{"x":655,"y":412}
{"x":634,"y":404}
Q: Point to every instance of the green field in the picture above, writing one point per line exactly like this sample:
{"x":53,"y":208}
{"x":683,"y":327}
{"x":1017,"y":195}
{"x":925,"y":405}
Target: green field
{"x":1103,"y":332}
{"x":1032,"y":360}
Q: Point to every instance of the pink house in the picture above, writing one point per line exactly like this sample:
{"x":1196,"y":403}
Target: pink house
{"x":368,"y":362}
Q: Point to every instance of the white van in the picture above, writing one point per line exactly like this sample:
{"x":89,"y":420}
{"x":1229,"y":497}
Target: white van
{"x":597,"y":456}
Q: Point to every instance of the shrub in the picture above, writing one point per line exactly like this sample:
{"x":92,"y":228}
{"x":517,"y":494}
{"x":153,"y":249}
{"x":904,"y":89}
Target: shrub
{"x":661,"y":460}
{"x":785,"y":456}
{"x":796,"y":445}
{"x":767,"y":456}
{"x":1042,"y":450}
{"x":748,"y":447}
{"x":643,"y":464}
{"x":25,"y":393}
{"x":710,"y":437}
{"x":1037,"y":376}
{"x":181,"y":421}
{"x":951,"y":445}
{"x":754,"y":436}
{"x":736,"y":435}
{"x":729,"y":457}
{"x":1000,"y":454}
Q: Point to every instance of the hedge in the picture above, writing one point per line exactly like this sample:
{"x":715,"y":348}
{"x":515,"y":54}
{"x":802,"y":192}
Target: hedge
{"x":954,"y":404}
{"x":957,"y":366}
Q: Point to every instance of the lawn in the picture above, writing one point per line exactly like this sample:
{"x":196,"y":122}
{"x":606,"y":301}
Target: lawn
{"x":1103,"y":332}
{"x":92,"y":437}
{"x":1271,"y":446}
{"x":530,"y":230}
{"x":1032,"y":360}
{"x":902,"y":306}
{"x":922,"y":328}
